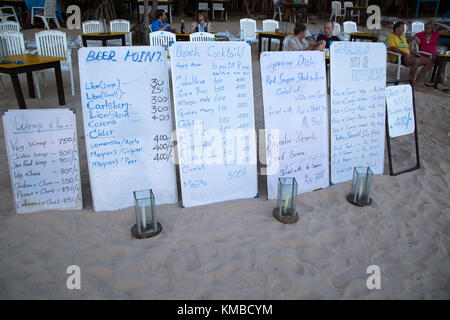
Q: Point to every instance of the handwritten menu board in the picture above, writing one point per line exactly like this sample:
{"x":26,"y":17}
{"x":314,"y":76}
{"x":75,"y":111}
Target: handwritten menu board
{"x":296,"y":118}
{"x":399,"y":105}
{"x":43,"y":159}
{"x":213,"y":98}
{"x":127,"y":124}
{"x":358,"y":82}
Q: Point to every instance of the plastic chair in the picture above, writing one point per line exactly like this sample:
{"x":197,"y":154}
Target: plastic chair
{"x":92,"y":26}
{"x":350,"y":12}
{"x":350,"y":27}
{"x":48,"y":13}
{"x":219,"y":7}
{"x":417,"y":27}
{"x":269,"y":25}
{"x":248,"y":29}
{"x":202,"y":36}
{"x":286,"y":42}
{"x":8,"y":12}
{"x":337,"y":29}
{"x":15,"y":45}
{"x":203,"y":6}
{"x":120,"y":25}
{"x":336,"y":10}
{"x":162,"y":38}
{"x":54,"y":44}
{"x":276,"y":9}
{"x":9,"y":26}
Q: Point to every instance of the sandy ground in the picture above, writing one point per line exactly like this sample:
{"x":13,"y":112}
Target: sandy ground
{"x":236,"y":249}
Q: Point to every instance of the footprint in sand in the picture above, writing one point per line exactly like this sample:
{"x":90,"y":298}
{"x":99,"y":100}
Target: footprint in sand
{"x":192,"y":259}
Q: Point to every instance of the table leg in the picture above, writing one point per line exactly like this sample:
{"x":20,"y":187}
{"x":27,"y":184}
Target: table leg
{"x":30,"y":84}
{"x":18,"y":90}
{"x":123,"y":41}
{"x":59,"y":84}
{"x":281,"y":44}
{"x":270,"y":44}
{"x":439,"y":63}
{"x":433,"y":74}
{"x":103,"y":42}
{"x":84,"y":41}
{"x":259,"y":45}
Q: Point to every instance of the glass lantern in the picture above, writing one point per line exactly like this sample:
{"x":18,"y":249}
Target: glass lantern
{"x":144,"y":206}
{"x":362,"y":179}
{"x":285,"y":211}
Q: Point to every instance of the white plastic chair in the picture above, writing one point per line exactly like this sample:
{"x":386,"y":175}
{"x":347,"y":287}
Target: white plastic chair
{"x":286,"y":42}
{"x":162,"y":38}
{"x":8,"y":12}
{"x":202,"y":36}
{"x":9,"y":26}
{"x":350,"y":27}
{"x":269,"y":25}
{"x":15,"y":45}
{"x":49,"y":13}
{"x":417,"y":27}
{"x":54,"y":44}
{"x":219,"y":7}
{"x":276,"y":9}
{"x":165,"y":7}
{"x":203,"y":6}
{"x":120,"y":25}
{"x":336,"y":29}
{"x":336,"y":10}
{"x":248,"y":29}
{"x":92,"y":26}
{"x":350,"y":12}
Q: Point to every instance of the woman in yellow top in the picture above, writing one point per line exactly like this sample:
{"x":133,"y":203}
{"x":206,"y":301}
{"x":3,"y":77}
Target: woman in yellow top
{"x":396,"y":42}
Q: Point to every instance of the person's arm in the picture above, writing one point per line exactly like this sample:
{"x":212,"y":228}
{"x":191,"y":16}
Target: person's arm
{"x":418,"y":41}
{"x":194,"y":25}
{"x":446,"y":28}
{"x":208,"y":27}
{"x":164,"y":27}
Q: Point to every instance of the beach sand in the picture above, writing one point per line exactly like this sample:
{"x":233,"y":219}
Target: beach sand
{"x":236,"y":249}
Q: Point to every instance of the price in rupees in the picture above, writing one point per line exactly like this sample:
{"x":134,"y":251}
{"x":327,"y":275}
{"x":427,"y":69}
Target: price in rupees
{"x":156,"y":109}
{"x":161,"y":117}
{"x":160,"y":137}
{"x":157,"y":99}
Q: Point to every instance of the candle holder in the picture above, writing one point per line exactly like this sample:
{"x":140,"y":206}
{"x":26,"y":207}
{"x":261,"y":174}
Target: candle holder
{"x":146,"y":225}
{"x":285,"y":211}
{"x":362,"y":179}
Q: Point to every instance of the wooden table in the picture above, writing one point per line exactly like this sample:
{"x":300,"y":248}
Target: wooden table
{"x":103,"y":37}
{"x":270,"y":36}
{"x":441,"y":61}
{"x":445,"y":35}
{"x":226,"y":4}
{"x":292,"y":5}
{"x":30,"y":63}
{"x":363,"y":36}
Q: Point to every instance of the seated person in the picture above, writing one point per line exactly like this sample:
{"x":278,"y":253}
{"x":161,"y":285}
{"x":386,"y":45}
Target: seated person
{"x":328,"y":36}
{"x":427,"y":40}
{"x":202,"y":24}
{"x":160,"y":23}
{"x":299,"y":43}
{"x":396,"y":42}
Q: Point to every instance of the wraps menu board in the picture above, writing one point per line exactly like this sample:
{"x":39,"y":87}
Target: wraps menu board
{"x":213,"y":98}
{"x":127,"y":124}
{"x":399,"y":105}
{"x":358,"y":82}
{"x":296,"y":119}
{"x":43,"y":159}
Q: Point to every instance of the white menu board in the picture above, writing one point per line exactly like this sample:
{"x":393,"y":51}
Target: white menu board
{"x":296,"y":118}
{"x":399,"y":105}
{"x":358,"y":82}
{"x":213,"y":98}
{"x":43,"y":159}
{"x":127,"y":123}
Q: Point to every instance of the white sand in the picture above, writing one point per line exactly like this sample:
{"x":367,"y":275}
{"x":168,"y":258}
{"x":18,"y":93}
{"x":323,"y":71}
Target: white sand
{"x":236,"y":249}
